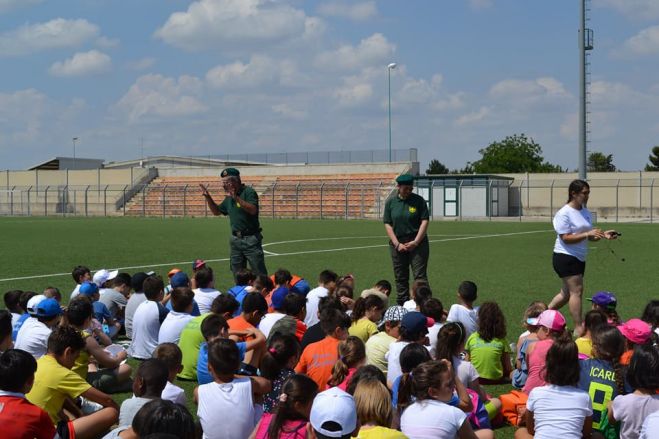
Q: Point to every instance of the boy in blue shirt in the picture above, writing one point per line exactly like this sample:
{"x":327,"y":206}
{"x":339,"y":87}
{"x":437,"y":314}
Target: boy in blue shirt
{"x":101,"y":312}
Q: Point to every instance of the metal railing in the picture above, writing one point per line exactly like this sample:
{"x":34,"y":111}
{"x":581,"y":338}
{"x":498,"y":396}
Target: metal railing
{"x":321,"y":157}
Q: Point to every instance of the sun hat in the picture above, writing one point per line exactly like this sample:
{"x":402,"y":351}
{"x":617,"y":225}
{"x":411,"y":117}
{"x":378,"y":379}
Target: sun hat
{"x":374,"y":292}
{"x":636,"y":331}
{"x":331,"y":408}
{"x":103,"y":275}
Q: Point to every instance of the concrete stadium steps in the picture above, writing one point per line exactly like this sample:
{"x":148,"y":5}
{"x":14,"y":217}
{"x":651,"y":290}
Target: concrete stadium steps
{"x":324,"y":196}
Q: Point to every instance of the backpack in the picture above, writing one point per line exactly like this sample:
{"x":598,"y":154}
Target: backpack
{"x":478,"y":417}
{"x":513,"y":407}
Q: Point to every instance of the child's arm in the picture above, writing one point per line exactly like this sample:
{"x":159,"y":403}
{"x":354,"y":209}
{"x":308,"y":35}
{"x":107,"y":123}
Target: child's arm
{"x":260,"y":385}
{"x":195,"y":395}
{"x":465,"y":403}
{"x":257,"y":339}
{"x":104,"y":399}
{"x":102,"y":356}
{"x":530,"y":423}
{"x":507,"y":365}
{"x":610,"y":415}
{"x":466,"y":432}
{"x":587,"y":427}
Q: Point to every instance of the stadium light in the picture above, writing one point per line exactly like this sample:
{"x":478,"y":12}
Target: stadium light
{"x":390,"y":67}
{"x":75,"y":139}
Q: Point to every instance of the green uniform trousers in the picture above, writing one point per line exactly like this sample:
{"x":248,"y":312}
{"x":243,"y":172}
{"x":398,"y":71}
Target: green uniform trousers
{"x":247,"y":249}
{"x":417,"y":260}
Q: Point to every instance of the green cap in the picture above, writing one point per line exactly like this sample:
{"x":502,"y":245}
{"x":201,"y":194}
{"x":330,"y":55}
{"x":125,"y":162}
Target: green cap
{"x":230,"y":172}
{"x":405,"y":179}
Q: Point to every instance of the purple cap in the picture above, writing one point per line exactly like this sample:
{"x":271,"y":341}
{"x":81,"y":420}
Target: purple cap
{"x":605,"y":299}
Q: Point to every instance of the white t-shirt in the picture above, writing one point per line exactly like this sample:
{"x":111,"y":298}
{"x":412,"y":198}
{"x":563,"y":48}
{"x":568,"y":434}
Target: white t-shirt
{"x":74,"y":293}
{"x":313,"y":298}
{"x":14,"y":318}
{"x":204,"y":298}
{"x":33,"y":337}
{"x":433,"y":331}
{"x":269,"y":321}
{"x":650,"y":427}
{"x":393,"y":360}
{"x":631,"y":410}
{"x":170,"y":330}
{"x":174,"y":394}
{"x":146,"y":328}
{"x":134,"y":301}
{"x":410,"y":305}
{"x":468,"y":317}
{"x":465,"y":371}
{"x":559,"y":411}
{"x":228,"y":398}
{"x":430,"y":419}
{"x":571,"y":220}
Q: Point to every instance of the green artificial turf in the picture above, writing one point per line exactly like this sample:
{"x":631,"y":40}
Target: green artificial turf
{"x":509,"y":261}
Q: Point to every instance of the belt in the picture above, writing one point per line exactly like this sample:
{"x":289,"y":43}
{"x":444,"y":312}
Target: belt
{"x":241,"y":234}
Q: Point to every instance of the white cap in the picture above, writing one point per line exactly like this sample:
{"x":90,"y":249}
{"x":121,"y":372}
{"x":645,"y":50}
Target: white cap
{"x":103,"y":275}
{"x":334,"y":405}
{"x":33,"y":302}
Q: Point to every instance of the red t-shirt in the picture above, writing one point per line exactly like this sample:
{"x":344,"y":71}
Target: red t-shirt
{"x":20,"y":419}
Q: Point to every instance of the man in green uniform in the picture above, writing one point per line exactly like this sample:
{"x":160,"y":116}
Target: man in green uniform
{"x":242,"y":206}
{"x":406,"y":222}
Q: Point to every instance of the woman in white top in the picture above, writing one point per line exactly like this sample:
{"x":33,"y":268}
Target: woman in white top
{"x":574,"y":228}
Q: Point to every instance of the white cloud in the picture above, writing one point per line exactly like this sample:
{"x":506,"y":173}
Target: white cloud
{"x":8,"y":5}
{"x":21,"y":115}
{"x":646,"y":42}
{"x":82,"y":64}
{"x":351,"y":95}
{"x":227,"y":23}
{"x":289,"y":112}
{"x":106,"y":42}
{"x":637,"y":9}
{"x":478,"y":5}
{"x":474,"y":117}
{"x":259,"y":70}
{"x":358,"y":11}
{"x":55,"y":34}
{"x":141,"y":64}
{"x":369,"y":52}
{"x":159,"y":96}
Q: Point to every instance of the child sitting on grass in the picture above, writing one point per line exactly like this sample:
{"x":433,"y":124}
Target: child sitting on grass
{"x":488,"y":349}
{"x":352,"y":355}
{"x":56,"y":386}
{"x":228,"y":394}
{"x":464,"y":311}
{"x":592,"y":320}
{"x":278,"y":365}
{"x":171,"y":355}
{"x":411,"y":304}
{"x":150,"y":380}
{"x":182,"y":300}
{"x":365,"y":317}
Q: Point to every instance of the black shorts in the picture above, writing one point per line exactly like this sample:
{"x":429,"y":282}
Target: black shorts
{"x":566,"y":265}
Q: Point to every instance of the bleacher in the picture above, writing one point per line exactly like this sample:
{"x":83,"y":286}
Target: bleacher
{"x":358,"y":195}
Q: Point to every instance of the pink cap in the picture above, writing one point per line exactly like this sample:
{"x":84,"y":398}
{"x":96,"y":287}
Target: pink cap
{"x":636,"y":331}
{"x":552,"y":319}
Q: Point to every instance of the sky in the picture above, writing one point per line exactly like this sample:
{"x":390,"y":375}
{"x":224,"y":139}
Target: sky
{"x":233,"y":76}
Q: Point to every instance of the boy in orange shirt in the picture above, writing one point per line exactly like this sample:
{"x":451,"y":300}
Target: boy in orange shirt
{"x":254,"y":308}
{"x":318,"y":358}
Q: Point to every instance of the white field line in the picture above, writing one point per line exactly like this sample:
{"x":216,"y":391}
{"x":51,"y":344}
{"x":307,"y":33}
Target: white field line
{"x":306,"y":252}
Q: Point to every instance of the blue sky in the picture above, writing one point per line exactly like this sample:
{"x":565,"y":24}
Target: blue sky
{"x":231,"y":76}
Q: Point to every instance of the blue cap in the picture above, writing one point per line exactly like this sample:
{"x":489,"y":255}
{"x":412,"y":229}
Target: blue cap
{"x":88,"y":288}
{"x":416,"y":323}
{"x":180,"y":279}
{"x":48,"y":308}
{"x":278,"y":297}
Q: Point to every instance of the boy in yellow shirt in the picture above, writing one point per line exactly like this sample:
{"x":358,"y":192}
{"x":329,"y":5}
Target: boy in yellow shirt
{"x":56,"y":386}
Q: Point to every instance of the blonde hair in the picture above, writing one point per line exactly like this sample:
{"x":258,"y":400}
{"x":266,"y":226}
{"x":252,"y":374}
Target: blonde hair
{"x":532,"y":311}
{"x":373,"y":402}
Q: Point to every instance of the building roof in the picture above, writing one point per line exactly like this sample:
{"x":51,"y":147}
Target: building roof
{"x":59,"y":163}
{"x":177,"y":161}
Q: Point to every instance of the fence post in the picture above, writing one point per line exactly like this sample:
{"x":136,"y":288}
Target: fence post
{"x":144,"y":201}
{"x":379,"y":195}
{"x":65,"y":194}
{"x":551,"y":198}
{"x":105,"y":200}
{"x":490,"y":197}
{"x":519,"y":208}
{"x":651,"y":201}
{"x":362,"y":204}
{"x":460,"y":199}
{"x":45,"y":207}
{"x":164,"y":188}
{"x":297,"y":199}
{"x":11,"y":201}
{"x":617,"y":201}
{"x":29,"y":207}
{"x":322,"y":185}
{"x":185,"y":200}
{"x":274,"y":187}
{"x":86,"y":204}
{"x":528,"y":191}
{"x":125,"y":187}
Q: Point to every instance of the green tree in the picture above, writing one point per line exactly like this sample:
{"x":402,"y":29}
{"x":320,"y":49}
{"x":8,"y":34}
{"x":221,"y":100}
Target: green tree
{"x":654,"y":160}
{"x":436,"y":167}
{"x":514,"y":154}
{"x":600,"y":162}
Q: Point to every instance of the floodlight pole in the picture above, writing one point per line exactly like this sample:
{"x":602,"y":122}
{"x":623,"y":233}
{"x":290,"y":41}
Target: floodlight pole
{"x":390,"y":67}
{"x":585,"y":44}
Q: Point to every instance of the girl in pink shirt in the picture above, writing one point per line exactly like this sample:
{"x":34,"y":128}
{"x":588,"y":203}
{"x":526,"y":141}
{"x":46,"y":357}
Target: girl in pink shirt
{"x":551,"y":325}
{"x":352,"y":355}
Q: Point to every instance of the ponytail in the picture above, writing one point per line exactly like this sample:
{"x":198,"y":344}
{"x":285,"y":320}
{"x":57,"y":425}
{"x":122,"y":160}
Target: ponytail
{"x":365,"y":303}
{"x":281,"y":348}
{"x":404,"y":392}
{"x":298,"y":388}
{"x":451,"y":336}
{"x":351,"y":353}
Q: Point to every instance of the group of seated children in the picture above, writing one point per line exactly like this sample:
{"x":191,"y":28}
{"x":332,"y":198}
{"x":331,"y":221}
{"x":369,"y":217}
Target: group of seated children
{"x":273,"y":358}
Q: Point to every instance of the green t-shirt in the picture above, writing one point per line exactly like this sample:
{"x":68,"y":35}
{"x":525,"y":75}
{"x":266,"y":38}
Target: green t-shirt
{"x":405,"y":216}
{"x":486,"y":355}
{"x":190,"y":342}
{"x":241,"y":221}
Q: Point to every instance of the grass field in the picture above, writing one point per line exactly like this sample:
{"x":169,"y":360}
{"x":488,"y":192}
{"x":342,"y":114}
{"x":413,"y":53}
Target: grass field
{"x":509,"y":261}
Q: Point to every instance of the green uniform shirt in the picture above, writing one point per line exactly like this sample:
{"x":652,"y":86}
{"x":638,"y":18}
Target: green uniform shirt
{"x":405,"y":216}
{"x":240,"y":220}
